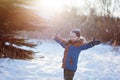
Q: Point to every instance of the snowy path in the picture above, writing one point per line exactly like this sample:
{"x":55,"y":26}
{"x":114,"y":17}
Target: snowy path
{"x":97,"y":63}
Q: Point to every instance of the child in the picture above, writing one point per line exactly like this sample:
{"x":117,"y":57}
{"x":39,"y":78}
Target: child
{"x":72,"y":49}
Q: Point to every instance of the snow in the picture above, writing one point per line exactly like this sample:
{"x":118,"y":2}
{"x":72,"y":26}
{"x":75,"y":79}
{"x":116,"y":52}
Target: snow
{"x":101,"y":62}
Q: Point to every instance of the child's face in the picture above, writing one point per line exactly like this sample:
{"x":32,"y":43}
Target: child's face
{"x":73,"y":36}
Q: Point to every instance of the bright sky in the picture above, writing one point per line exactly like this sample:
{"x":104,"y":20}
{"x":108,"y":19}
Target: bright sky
{"x":52,"y":6}
{"x":48,"y":7}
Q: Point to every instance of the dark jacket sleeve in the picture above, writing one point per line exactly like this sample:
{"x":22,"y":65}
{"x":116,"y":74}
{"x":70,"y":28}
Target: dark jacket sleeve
{"x":85,"y":46}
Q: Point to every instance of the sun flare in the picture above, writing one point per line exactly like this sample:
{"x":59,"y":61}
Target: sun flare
{"x":50,"y":5}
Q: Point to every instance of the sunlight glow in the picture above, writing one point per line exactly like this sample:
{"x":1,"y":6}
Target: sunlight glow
{"x":53,"y":6}
{"x":50,"y":5}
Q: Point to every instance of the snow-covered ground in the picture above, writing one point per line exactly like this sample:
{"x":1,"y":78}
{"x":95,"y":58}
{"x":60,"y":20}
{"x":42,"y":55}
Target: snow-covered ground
{"x":101,"y":62}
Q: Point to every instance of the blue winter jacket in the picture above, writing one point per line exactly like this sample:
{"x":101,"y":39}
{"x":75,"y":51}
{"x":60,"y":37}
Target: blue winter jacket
{"x":73,"y":52}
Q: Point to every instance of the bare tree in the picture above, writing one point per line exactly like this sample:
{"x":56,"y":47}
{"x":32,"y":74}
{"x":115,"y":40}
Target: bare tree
{"x":107,"y":7}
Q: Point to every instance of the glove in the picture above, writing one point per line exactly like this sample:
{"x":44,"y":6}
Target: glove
{"x":56,"y":36}
{"x":95,"y":42}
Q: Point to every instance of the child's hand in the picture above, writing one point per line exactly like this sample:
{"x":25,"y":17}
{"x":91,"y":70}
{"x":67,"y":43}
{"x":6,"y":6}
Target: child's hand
{"x":95,"y":42}
{"x":56,"y":36}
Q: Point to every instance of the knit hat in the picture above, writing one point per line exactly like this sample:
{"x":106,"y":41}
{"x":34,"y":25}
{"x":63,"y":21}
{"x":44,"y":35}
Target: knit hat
{"x":77,"y":32}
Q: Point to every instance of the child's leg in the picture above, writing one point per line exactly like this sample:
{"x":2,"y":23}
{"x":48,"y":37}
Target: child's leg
{"x":68,"y":74}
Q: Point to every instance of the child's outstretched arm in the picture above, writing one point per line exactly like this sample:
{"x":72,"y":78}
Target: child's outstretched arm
{"x":61,"y":41}
{"x":89,"y":45}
